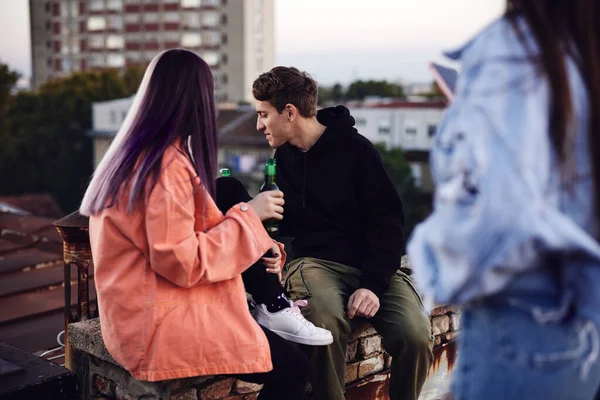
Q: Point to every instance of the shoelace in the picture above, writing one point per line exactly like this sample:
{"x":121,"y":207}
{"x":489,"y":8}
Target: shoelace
{"x":295,"y":308}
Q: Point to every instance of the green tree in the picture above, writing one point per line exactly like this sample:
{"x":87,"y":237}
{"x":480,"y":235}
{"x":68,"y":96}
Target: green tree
{"x":132,"y":78}
{"x":45,"y":147}
{"x":360,"y":89}
{"x":416,"y":207}
{"x":435,"y":92}
{"x":337,"y":93}
{"x":8,"y":79}
{"x":323,"y":95}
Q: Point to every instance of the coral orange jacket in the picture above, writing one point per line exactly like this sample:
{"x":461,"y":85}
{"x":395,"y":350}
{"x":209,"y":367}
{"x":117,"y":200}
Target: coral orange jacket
{"x":168,"y":278}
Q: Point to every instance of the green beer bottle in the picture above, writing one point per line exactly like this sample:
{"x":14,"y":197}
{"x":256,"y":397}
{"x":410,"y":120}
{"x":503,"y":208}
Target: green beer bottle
{"x":225,"y":172}
{"x":271,"y":225}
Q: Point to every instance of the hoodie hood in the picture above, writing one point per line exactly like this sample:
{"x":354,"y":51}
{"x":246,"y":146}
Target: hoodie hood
{"x":336,"y":117}
{"x":339,"y":126}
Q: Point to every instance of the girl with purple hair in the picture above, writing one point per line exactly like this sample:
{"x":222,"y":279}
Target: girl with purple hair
{"x":168,"y":263}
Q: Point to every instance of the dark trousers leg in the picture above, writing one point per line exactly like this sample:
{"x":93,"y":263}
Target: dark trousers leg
{"x":262,"y":285}
{"x":288,"y":378}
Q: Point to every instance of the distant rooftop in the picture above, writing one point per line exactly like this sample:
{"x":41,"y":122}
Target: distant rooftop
{"x":31,"y":273}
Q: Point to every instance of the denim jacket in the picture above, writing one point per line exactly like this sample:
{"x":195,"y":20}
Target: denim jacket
{"x":500,"y":206}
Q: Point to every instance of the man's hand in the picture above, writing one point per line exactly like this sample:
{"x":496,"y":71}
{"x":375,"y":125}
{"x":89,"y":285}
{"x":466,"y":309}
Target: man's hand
{"x":363,"y":303}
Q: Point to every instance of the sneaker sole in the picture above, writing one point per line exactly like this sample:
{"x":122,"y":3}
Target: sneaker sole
{"x":303,"y":340}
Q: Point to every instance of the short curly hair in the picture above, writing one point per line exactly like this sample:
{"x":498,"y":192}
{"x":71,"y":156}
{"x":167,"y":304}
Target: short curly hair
{"x":287,"y":85}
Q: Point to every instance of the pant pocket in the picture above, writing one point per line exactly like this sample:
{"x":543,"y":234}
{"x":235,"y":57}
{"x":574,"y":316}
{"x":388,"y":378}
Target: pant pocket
{"x":412,"y":287}
{"x":295,"y":284}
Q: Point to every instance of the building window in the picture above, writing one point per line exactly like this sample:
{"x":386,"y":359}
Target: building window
{"x":361,"y":122}
{"x":115,"y":60}
{"x":113,"y":117}
{"x":66,"y":65}
{"x":64,"y":47}
{"x":191,"y":40}
{"x":170,"y":17}
{"x":224,"y":19}
{"x":151,"y":18}
{"x":75,"y":46}
{"x":411,"y":130}
{"x":191,"y":3}
{"x":75,"y":65}
{"x":224,"y":79}
{"x":211,"y":58}
{"x":115,"y":22}
{"x":49,"y":62}
{"x":134,"y":57}
{"x":384,"y":130}
{"x":224,"y":38}
{"x":64,"y":29}
{"x":224,"y":59}
{"x":152,"y":37}
{"x":95,"y":5}
{"x":64,"y":10}
{"x":96,"y":42}
{"x":171,"y":37}
{"x":74,"y":9}
{"x":48,"y":44}
{"x":211,"y":38}
{"x":115,"y":42}
{"x":132,"y":18}
{"x":47,"y":6}
{"x":191,"y":20}
{"x":114,"y":5}
{"x":74,"y":26}
{"x":431,"y":130}
{"x":210,"y":19}
{"x":96,"y":24}
{"x":97,"y":60}
{"x":134,"y":37}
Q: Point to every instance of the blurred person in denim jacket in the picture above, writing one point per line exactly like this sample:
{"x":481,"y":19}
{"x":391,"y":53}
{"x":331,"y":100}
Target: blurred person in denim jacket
{"x":514,"y":233}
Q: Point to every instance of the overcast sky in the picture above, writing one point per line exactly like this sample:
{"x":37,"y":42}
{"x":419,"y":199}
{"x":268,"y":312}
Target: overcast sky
{"x":334,"y":40}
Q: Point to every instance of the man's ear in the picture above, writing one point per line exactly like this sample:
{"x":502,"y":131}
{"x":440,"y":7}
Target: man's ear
{"x":290,"y":111}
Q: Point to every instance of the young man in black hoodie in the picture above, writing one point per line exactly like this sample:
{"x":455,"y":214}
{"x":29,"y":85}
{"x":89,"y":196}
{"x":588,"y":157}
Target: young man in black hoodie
{"x":347,"y":222}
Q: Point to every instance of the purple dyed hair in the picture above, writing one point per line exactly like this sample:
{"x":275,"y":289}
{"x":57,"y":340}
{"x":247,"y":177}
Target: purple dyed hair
{"x":174,"y":104}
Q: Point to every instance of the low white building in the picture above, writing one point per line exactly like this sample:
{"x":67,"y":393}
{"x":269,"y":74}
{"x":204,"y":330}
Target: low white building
{"x":408,"y":125}
{"x":107,"y":117}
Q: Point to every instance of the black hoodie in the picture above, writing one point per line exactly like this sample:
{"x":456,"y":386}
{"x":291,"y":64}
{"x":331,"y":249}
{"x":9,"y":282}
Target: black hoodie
{"x":340,"y":203}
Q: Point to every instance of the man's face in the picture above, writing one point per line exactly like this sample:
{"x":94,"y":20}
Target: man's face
{"x":276,"y":126}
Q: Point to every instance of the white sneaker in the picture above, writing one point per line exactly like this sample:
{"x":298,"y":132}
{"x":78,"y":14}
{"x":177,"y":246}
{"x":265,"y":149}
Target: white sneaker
{"x":291,"y":325}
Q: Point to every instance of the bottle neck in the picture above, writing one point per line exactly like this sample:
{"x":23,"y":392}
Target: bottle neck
{"x":269,"y":178}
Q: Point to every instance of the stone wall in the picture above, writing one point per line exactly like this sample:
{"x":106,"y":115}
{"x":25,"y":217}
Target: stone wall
{"x":100,"y":376}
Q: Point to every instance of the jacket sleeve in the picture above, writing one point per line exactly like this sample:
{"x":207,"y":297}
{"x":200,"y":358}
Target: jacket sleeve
{"x":188,"y":257}
{"x":384,"y":221}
